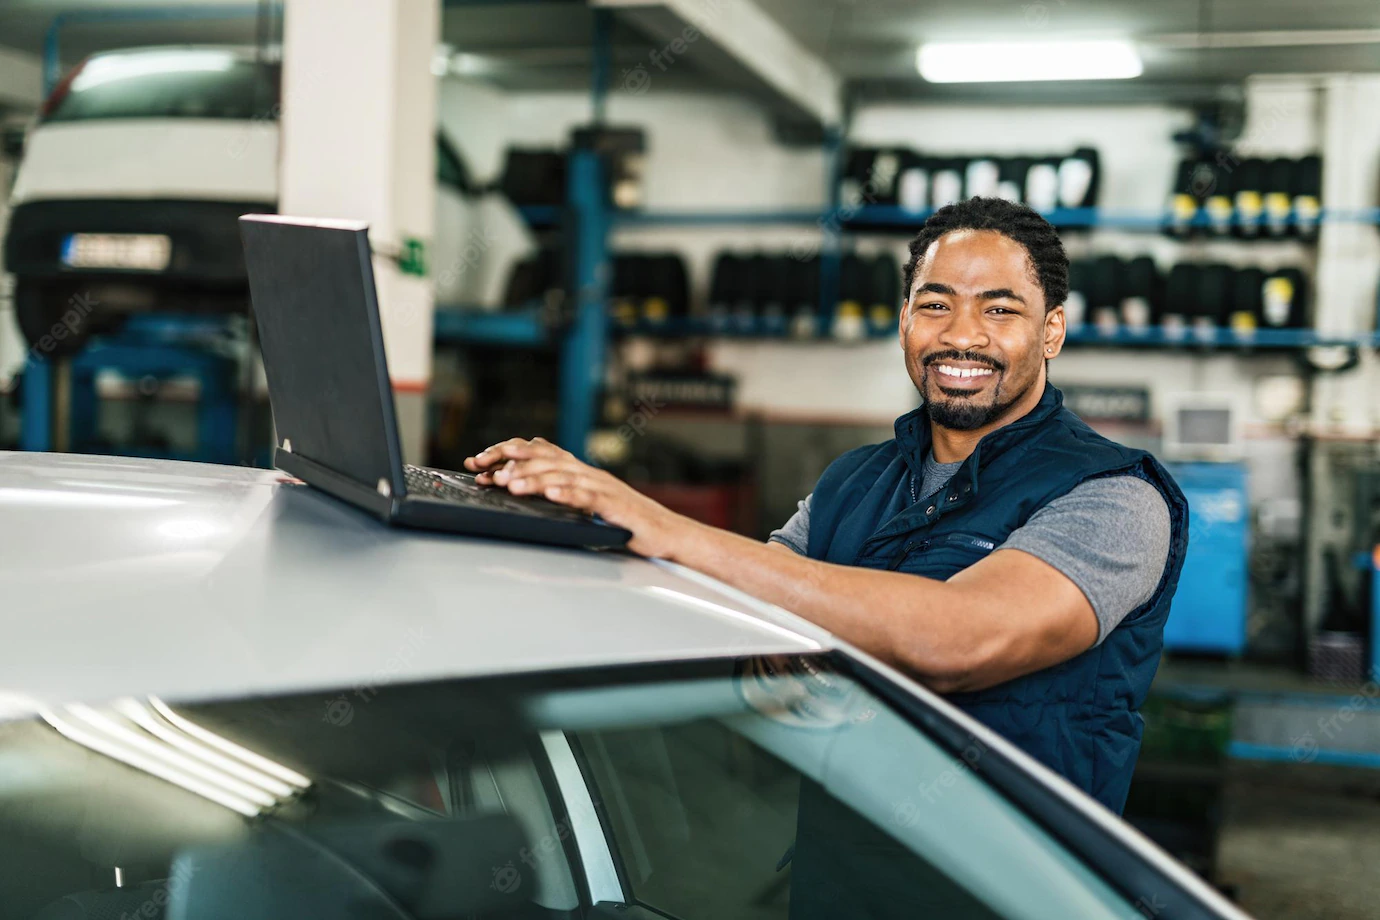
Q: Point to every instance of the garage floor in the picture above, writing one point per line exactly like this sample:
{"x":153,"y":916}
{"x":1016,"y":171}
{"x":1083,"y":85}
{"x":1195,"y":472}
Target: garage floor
{"x":1302,"y":842}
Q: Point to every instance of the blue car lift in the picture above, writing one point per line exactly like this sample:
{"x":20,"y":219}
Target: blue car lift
{"x":157,"y":346}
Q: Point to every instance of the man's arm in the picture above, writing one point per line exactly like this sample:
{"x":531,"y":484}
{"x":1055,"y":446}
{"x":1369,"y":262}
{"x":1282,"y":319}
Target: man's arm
{"x":1009,"y":614}
{"x":1005,"y":616}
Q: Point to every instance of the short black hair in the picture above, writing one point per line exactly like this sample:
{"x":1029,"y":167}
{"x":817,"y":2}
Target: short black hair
{"x":1048,"y":261}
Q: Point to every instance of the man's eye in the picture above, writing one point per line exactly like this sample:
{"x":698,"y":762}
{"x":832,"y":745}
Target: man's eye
{"x":1002,"y":310}
{"x":933,"y":306}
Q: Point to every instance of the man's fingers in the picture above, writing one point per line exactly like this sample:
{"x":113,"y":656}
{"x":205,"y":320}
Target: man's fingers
{"x":575,"y":497}
{"x":538,"y":483}
{"x":512,"y":449}
{"x":514,"y":470}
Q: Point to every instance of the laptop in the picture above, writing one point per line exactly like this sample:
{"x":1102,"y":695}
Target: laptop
{"x":312,"y":284}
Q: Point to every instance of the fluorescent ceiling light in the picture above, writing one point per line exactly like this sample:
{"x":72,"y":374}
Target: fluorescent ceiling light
{"x":145,"y":719}
{"x":175,"y":760}
{"x":108,"y":68}
{"x":291,"y":777}
{"x":151,"y":765}
{"x":56,"y":498}
{"x":163,"y":744}
{"x":1019,"y":62}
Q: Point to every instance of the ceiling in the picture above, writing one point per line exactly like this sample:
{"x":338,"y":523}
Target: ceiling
{"x":870,"y":43}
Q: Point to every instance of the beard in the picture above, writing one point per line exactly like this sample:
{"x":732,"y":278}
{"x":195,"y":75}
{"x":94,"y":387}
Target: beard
{"x":959,"y":410}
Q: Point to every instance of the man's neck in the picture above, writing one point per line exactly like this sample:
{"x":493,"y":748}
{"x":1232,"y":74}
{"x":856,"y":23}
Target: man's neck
{"x":951,"y":446}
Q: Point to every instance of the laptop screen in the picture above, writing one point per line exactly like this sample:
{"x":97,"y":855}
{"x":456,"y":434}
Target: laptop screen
{"x":312,"y":285}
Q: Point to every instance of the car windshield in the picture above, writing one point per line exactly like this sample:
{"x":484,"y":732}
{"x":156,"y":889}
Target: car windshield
{"x":168,"y":83}
{"x":753,"y":788}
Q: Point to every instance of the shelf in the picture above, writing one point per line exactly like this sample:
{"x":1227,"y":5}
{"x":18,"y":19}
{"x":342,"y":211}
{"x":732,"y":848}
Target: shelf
{"x":1154,"y":338}
{"x":702,"y":327}
{"x":716,"y":218}
{"x":524,"y":328}
{"x":890,"y":218}
{"x":540,"y":216}
{"x":1157,"y":337}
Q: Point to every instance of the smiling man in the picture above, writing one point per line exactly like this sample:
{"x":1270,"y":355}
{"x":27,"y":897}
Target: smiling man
{"x":997,"y":548}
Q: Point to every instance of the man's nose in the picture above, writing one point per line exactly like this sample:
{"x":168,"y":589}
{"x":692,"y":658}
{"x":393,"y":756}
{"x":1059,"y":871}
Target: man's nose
{"x":964,"y":330}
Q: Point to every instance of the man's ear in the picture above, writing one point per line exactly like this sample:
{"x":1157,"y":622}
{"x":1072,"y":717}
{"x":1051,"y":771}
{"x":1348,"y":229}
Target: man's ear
{"x":1054,"y":333}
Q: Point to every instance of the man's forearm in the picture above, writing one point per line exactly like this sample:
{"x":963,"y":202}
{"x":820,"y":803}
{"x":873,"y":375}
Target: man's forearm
{"x":905,"y":620}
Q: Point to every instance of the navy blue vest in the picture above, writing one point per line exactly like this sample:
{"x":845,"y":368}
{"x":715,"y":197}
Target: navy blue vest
{"x":1080,"y":718}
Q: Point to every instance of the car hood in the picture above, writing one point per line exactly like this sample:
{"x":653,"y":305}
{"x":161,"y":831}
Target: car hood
{"x":132,"y":577}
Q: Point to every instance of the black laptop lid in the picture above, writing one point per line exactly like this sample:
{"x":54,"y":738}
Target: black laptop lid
{"x":312,"y":284}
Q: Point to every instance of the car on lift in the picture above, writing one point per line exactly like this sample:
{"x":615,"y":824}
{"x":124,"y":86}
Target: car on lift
{"x":134,"y":172}
{"x":228,"y":695}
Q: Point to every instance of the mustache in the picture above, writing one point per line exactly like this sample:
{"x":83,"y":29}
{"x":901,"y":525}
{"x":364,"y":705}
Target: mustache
{"x":972,"y":356}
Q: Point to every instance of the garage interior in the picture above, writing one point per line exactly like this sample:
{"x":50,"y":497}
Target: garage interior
{"x":667,"y":235}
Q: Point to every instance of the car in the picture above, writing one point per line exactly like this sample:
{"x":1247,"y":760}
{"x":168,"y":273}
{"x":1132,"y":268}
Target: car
{"x":139,"y":164}
{"x":229,"y":695}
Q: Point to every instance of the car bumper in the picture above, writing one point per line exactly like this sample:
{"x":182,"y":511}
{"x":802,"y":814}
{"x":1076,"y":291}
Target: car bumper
{"x":206,"y":249}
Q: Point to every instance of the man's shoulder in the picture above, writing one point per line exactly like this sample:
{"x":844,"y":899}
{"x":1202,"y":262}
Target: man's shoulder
{"x":868,"y":456}
{"x":855,"y":473}
{"x":1118,"y":493}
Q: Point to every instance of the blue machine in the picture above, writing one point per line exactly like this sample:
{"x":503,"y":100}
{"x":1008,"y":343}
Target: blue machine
{"x":1209,"y":611}
{"x":150,"y":346}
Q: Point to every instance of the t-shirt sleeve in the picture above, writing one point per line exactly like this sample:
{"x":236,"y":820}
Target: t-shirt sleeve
{"x":795,"y":534}
{"x":1108,"y":536}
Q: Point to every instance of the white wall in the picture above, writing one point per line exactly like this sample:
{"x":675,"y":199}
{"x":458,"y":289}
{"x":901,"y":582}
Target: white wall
{"x":21,"y":79}
{"x":704,"y":151}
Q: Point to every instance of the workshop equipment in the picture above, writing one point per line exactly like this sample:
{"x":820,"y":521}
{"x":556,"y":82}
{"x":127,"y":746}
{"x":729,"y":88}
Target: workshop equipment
{"x":1209,"y":610}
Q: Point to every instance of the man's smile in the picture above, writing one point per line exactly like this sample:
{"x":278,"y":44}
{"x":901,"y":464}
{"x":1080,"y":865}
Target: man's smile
{"x":955,"y":375}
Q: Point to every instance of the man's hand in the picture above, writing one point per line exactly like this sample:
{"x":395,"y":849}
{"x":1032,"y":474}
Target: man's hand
{"x":538,"y":467}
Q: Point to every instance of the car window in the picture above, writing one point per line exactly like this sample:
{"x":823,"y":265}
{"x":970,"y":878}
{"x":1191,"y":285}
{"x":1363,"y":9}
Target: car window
{"x":820,"y":802}
{"x":167,"y":83}
{"x":450,"y":169}
{"x":756,"y":789}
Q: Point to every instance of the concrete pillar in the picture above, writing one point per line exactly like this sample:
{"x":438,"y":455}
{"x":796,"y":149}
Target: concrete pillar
{"x":358,"y":142}
{"x":1349,"y":251}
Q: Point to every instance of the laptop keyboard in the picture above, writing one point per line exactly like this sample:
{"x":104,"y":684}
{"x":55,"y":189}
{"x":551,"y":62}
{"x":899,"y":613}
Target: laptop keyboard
{"x":462,"y":489}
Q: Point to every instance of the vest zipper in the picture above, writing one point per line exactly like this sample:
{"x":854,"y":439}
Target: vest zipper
{"x":905,"y":551}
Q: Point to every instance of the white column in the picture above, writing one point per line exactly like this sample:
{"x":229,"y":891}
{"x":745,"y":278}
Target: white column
{"x":1349,"y":252}
{"x":358,"y":142}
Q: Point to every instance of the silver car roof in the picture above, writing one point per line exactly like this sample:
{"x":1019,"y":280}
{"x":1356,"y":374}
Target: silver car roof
{"x":190,"y":581}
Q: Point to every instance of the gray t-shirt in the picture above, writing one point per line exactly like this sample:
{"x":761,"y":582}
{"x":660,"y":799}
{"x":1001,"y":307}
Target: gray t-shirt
{"x":1108,"y":536}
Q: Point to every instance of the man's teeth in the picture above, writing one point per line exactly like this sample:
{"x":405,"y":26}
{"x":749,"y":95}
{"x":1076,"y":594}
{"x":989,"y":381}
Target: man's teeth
{"x":965,"y":371}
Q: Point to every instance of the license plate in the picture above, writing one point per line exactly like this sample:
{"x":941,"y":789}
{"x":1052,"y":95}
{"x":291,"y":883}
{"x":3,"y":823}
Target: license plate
{"x":149,"y":252}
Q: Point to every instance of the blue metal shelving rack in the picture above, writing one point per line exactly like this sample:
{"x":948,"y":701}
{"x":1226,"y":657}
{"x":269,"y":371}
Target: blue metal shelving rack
{"x":588,"y":220}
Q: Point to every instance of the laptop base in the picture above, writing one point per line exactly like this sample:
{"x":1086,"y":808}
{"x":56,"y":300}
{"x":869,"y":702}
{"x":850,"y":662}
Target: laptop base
{"x":450,"y":517}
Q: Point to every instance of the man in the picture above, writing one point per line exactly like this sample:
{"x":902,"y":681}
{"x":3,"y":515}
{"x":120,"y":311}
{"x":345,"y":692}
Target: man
{"x":997,"y":548}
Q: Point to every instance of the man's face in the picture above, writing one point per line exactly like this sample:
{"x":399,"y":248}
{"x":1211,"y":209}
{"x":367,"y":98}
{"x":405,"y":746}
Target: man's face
{"x":975,"y":330}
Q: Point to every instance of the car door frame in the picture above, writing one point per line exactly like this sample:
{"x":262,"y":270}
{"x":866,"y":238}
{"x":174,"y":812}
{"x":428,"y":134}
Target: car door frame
{"x":1152,"y":881}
